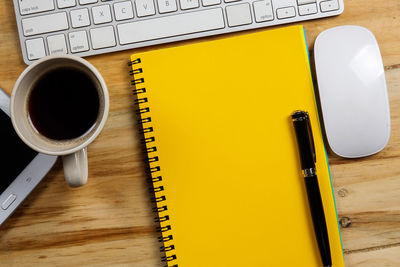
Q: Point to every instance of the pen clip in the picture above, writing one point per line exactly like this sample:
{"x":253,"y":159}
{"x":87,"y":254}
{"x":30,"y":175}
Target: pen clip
{"x":310,"y":136}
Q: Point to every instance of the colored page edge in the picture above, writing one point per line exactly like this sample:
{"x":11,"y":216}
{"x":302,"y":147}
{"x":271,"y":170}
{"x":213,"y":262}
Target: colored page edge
{"x":323,"y":140}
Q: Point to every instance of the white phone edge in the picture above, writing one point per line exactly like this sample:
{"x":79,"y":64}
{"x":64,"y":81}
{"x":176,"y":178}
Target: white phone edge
{"x":28,"y":179}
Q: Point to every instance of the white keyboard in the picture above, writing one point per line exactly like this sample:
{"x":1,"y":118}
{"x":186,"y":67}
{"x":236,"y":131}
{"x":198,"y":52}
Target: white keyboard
{"x":91,"y":27}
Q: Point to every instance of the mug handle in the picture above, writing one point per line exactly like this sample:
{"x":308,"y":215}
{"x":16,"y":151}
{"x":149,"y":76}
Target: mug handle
{"x":76,"y":168}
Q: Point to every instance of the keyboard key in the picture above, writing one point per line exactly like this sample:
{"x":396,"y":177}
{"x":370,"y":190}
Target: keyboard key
{"x":102,"y":37}
{"x":263,"y":11}
{"x":205,"y":20}
{"x":80,"y":18}
{"x":40,"y":24}
{"x":211,"y":2}
{"x":308,"y":9}
{"x":57,"y":44}
{"x":145,"y":8}
{"x":35,"y":48}
{"x":78,"y":41}
{"x":123,"y":10}
{"x":238,"y":14}
{"x":285,"y":12}
{"x":85,"y":2}
{"x":165,"y":6}
{"x":35,"y":6}
{"x":304,"y":2}
{"x":230,"y":1}
{"x":66,"y":3}
{"x":101,"y":14}
{"x":189,"y":4}
{"x":329,"y":6}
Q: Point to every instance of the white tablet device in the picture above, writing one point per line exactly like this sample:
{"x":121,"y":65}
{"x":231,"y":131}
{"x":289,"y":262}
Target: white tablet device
{"x":21,"y":168}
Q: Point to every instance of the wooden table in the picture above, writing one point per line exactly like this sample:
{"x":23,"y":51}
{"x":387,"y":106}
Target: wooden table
{"x":109,"y":221}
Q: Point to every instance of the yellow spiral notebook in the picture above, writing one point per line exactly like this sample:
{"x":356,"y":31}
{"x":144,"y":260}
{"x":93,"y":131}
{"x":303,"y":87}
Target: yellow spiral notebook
{"x":222,"y":153}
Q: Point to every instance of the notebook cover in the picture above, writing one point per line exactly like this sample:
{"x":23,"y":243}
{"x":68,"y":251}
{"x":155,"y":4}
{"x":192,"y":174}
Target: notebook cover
{"x":222,"y":150}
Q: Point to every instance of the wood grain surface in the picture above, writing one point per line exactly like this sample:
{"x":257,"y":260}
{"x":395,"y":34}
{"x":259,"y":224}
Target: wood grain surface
{"x":109,"y":221}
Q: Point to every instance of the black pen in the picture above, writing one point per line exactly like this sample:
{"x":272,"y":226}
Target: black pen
{"x":305,"y":143}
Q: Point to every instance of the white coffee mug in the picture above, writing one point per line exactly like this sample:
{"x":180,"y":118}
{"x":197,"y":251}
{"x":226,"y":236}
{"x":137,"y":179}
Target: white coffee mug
{"x":73,"y":151}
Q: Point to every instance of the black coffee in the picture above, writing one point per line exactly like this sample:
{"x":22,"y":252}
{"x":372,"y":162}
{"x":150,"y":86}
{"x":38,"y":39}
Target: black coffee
{"x":63,"y":104}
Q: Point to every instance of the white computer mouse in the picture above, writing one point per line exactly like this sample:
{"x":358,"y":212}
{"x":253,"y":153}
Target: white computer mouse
{"x":352,"y":90}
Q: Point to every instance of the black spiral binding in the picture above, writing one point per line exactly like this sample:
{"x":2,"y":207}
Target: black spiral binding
{"x":154,"y":179}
